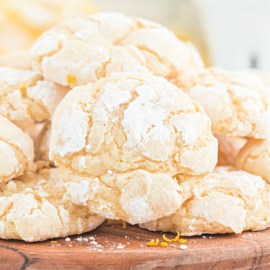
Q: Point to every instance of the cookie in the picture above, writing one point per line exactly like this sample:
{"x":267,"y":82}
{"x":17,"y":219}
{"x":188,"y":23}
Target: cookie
{"x":255,"y":158}
{"x":16,"y":151}
{"x":228,"y":149}
{"x":136,"y":196}
{"x":26,"y":98}
{"x":33,"y":209}
{"x":120,"y":141}
{"x":226,"y":201}
{"x":79,"y":51}
{"x":132,"y":121}
{"x":234,"y":108}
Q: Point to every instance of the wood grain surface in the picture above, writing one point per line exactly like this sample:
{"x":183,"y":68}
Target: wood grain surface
{"x":113,"y":247}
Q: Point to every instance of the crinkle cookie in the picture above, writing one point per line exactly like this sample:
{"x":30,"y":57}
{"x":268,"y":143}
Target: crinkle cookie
{"x":234,"y":108}
{"x":33,"y":209}
{"x":228,"y":149}
{"x":255,"y":158}
{"x":226,"y":201}
{"x":26,"y":98}
{"x":16,"y":151}
{"x":136,"y":196}
{"x":86,"y":49}
{"x":129,"y":122}
{"x":120,"y":141}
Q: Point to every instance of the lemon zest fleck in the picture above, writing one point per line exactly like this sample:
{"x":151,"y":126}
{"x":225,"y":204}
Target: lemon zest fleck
{"x":23,"y":90}
{"x":163,"y":244}
{"x":124,"y":225}
{"x":71,"y":79}
{"x":53,"y":242}
{"x":153,"y":242}
{"x":182,"y":240}
{"x":166,"y":239}
{"x":175,"y":239}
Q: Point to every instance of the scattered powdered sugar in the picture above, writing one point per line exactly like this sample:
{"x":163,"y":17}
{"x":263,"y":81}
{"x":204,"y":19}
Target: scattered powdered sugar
{"x":120,"y":246}
{"x":183,"y":247}
{"x":207,"y":237}
{"x":248,"y":236}
{"x":110,"y":172}
{"x":79,"y":239}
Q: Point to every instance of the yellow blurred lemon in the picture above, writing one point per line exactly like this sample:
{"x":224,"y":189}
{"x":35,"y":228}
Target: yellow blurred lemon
{"x":22,"y":21}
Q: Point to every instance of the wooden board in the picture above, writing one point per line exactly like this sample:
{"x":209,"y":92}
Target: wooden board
{"x":112,"y":247}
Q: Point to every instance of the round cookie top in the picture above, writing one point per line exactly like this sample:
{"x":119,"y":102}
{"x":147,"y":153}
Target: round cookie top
{"x":254,"y":157}
{"x":26,"y":98}
{"x":16,"y":151}
{"x":78,"y":52}
{"x":132,"y":121}
{"x":238,"y":104}
{"x":226,"y":201}
{"x":33,"y":209}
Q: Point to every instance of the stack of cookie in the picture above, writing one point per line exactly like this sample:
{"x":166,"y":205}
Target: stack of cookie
{"x":114,"y":117}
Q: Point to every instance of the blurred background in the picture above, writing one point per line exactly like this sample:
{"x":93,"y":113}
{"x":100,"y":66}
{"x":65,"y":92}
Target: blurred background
{"x":232,"y":34}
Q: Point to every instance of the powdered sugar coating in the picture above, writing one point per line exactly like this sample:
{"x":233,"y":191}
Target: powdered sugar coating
{"x":132,"y":121}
